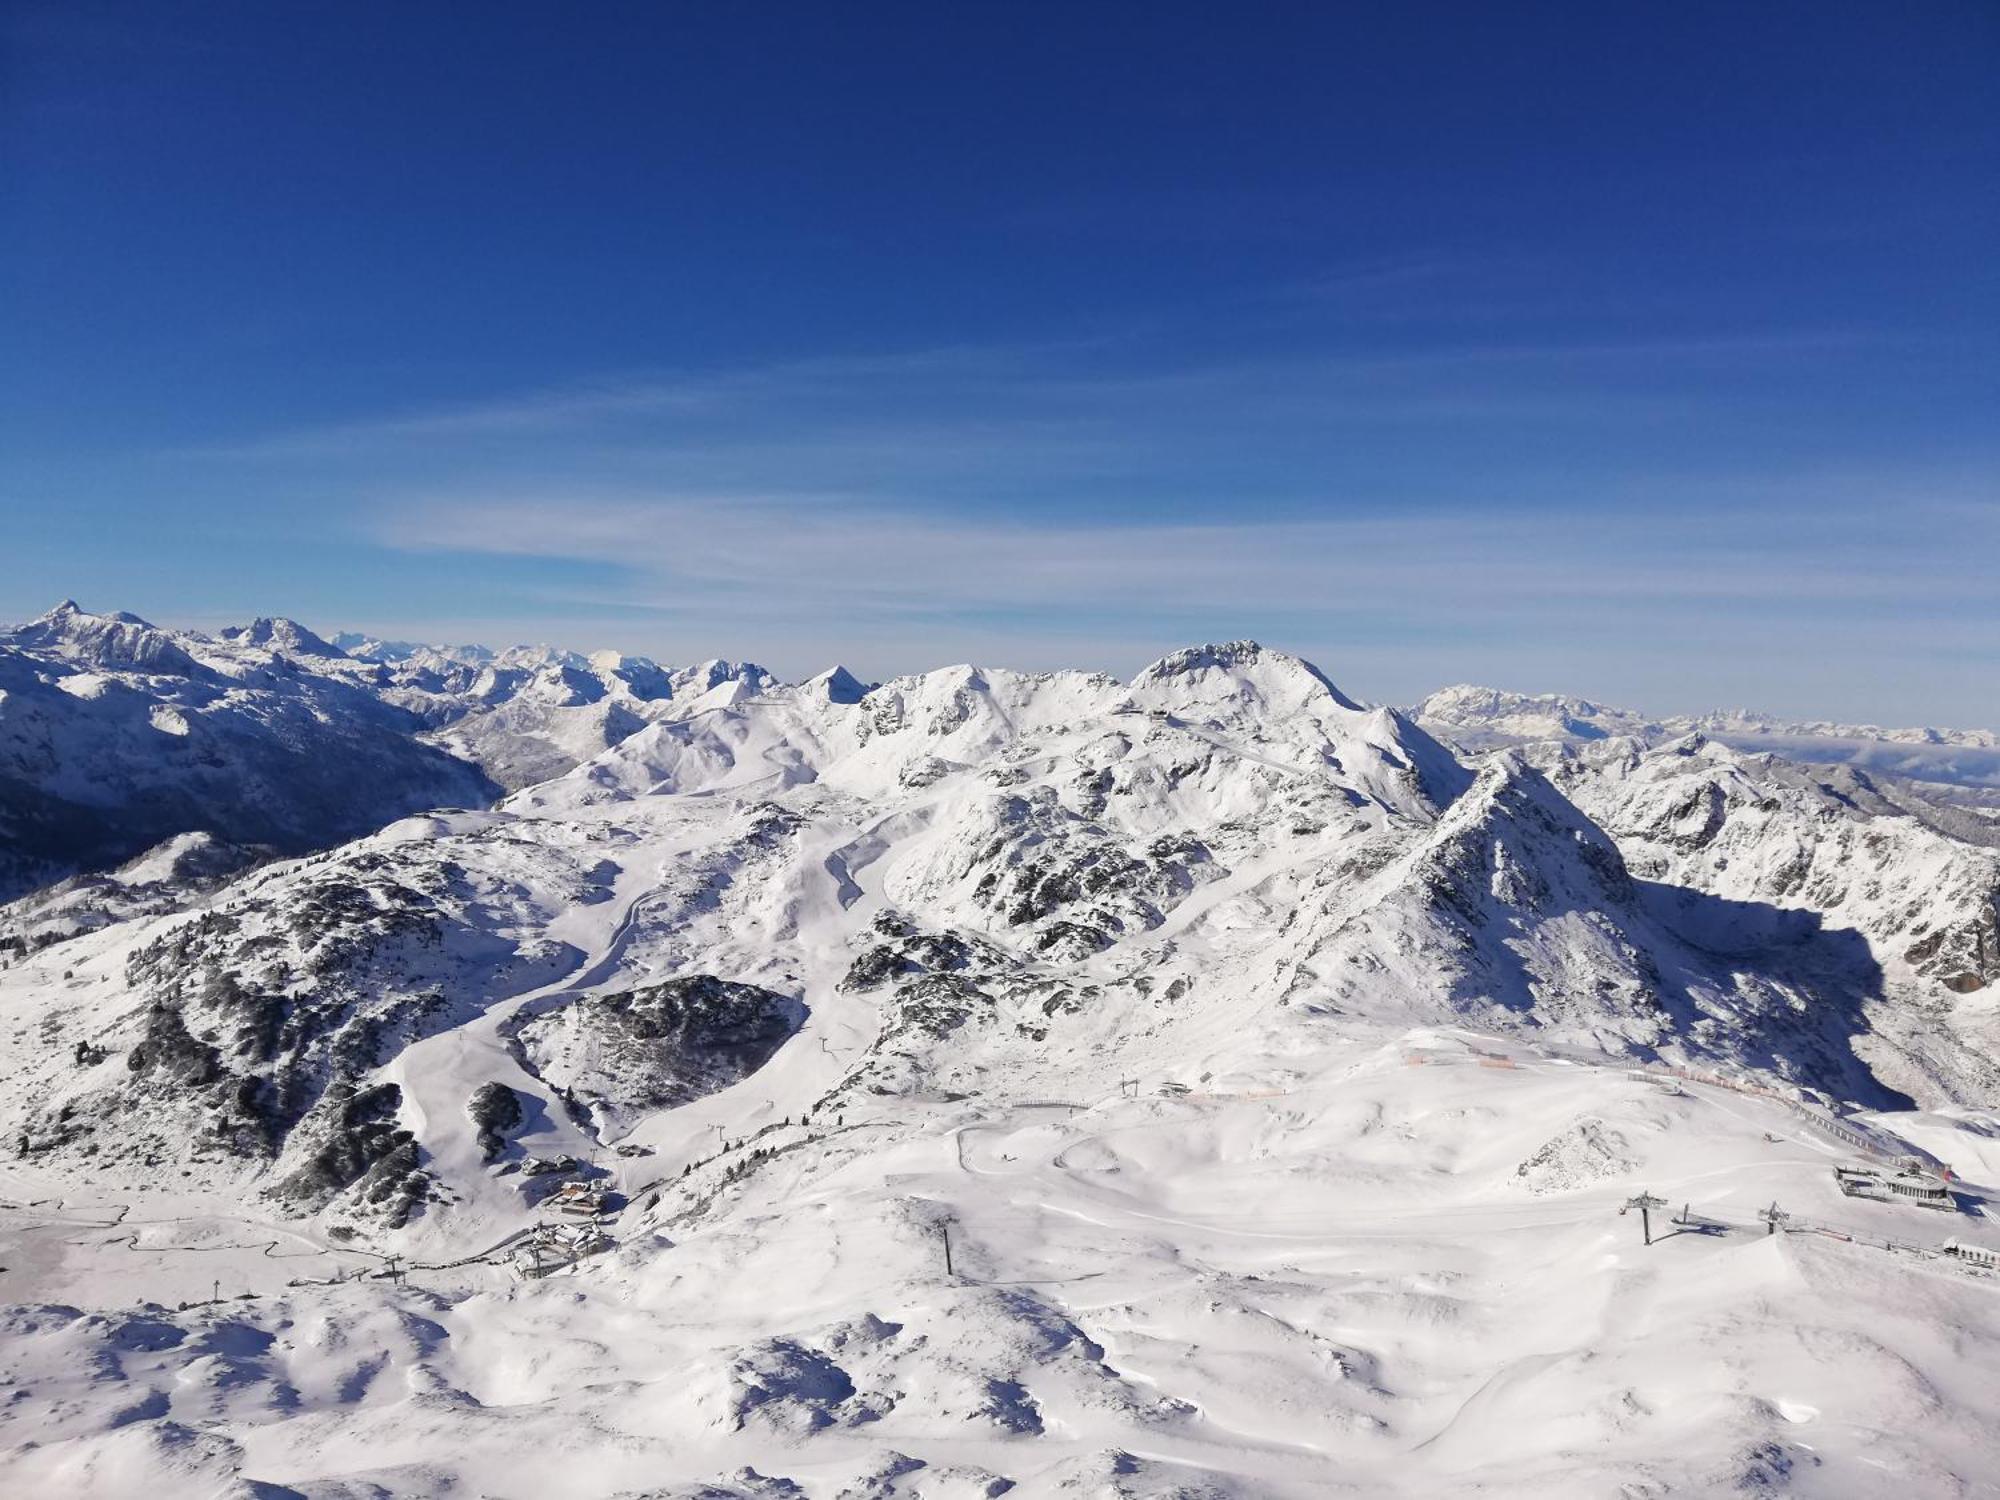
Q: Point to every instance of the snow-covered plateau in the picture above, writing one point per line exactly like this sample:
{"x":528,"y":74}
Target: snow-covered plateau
{"x":593,"y":1078}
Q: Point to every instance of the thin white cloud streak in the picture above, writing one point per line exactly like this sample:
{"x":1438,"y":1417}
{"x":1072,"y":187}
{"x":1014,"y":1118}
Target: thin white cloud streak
{"x":610,"y":399}
{"x":1456,"y":381}
{"x":834,"y":554}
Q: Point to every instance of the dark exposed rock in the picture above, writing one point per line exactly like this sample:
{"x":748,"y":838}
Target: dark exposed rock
{"x":657,"y":1047}
{"x":1045,"y":861}
{"x":937,"y":1004}
{"x":495,"y":1109}
{"x":910,"y":951}
{"x":1963,"y":956}
{"x":171,"y":1052}
{"x":1067,"y":942}
{"x":359,"y":1146}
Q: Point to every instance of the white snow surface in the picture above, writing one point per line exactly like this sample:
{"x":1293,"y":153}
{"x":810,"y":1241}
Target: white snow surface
{"x":115,"y":735}
{"x":1481,"y":717}
{"x":1271,"y":1075}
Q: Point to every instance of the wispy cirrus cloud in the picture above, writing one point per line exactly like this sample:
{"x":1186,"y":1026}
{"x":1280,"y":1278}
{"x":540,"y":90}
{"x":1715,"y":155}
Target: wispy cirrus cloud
{"x":633,"y":398}
{"x":839,"y":550}
{"x":1108,"y":383}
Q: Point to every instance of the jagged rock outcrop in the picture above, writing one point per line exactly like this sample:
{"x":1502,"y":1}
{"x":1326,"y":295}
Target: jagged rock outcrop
{"x":494,"y":1110}
{"x":631,"y":1051}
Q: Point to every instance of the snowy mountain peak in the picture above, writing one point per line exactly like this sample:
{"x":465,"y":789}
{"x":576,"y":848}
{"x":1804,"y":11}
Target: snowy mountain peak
{"x":706,"y":676}
{"x":1241,"y":675}
{"x":1536,"y":849}
{"x":115,"y":642}
{"x":1527,"y":715}
{"x":370,"y":648}
{"x":641,"y":676}
{"x":1697,"y":743}
{"x":835,"y":685}
{"x":563,"y":686}
{"x":278,"y":633}
{"x":531,"y":658}
{"x":1510,"y":782}
{"x":1513,"y":839}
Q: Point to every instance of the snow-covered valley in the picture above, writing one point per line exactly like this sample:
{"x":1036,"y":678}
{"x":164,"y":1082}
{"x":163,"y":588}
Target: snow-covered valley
{"x":990,"y":1083}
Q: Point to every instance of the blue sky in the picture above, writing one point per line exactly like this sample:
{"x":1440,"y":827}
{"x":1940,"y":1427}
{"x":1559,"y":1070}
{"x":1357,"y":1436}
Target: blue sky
{"x":1651,"y":353}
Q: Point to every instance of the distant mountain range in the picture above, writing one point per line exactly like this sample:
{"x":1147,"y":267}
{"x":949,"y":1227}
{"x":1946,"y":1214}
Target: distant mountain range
{"x":116,"y":734}
{"x":1480,"y":718}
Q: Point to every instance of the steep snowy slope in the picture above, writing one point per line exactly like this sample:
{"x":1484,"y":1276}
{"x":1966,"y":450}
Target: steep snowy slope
{"x":115,"y":736}
{"x":166,"y":878}
{"x":1516,"y":910}
{"x":1920,"y":882}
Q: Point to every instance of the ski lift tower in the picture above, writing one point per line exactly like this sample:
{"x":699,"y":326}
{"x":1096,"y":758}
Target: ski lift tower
{"x":1645,"y":1203}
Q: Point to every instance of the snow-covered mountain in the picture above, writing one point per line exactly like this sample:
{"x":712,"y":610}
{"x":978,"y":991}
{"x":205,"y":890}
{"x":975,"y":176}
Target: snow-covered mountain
{"x":115,"y":735}
{"x":1920,"y":881}
{"x":530,"y":712}
{"x":557,"y":716}
{"x":1480,"y":718}
{"x":1268,"y":1066}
